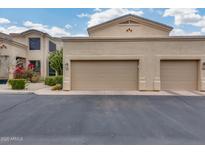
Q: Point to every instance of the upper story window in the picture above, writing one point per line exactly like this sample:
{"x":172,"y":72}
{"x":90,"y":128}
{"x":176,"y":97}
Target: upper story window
{"x":52,"y":46}
{"x":34,"y":43}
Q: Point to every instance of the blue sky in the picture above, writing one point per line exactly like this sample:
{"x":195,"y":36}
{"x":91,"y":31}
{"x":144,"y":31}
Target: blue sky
{"x":74,"y":22}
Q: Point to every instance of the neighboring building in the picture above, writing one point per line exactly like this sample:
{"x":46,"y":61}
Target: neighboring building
{"x":133,"y":53}
{"x":33,"y":46}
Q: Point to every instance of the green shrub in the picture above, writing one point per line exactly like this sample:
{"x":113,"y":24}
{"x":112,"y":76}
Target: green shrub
{"x":53,"y":80}
{"x":59,"y":80}
{"x":57,"y":87}
{"x":35,"y":78}
{"x":50,"y":81}
{"x":17,"y":84}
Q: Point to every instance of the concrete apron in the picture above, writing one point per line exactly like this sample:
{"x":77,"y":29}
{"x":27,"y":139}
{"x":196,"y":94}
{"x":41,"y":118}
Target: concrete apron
{"x":157,"y":93}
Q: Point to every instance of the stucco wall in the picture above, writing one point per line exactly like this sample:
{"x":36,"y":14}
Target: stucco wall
{"x":149,"y":54}
{"x":12,"y":51}
{"x":4,"y":63}
{"x":20,"y":39}
{"x":119,"y":30}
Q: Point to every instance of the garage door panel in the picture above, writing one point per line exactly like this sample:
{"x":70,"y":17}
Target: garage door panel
{"x":179,"y":74}
{"x":181,"y":86}
{"x":104,"y":75}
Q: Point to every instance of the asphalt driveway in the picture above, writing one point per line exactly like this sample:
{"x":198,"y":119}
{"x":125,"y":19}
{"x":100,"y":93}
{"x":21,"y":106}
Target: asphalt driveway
{"x":32,"y":119}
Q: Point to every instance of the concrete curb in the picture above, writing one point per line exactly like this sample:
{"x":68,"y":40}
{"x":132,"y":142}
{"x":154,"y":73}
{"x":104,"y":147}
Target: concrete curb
{"x":49,"y":92}
{"x":70,"y":93}
{"x":16,"y":92}
{"x":74,"y":93}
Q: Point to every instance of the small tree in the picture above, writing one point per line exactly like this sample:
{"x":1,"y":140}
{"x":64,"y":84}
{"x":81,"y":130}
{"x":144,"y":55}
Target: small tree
{"x":56,"y":61}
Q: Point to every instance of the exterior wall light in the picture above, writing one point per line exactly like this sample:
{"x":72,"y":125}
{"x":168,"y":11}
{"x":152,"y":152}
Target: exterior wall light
{"x":203,"y":66}
{"x":66,"y":66}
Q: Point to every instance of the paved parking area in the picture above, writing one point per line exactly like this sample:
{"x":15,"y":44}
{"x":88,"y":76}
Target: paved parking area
{"x":101,"y":119}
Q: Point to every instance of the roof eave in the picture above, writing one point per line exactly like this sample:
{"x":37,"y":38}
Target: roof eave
{"x":164,"y":26}
{"x":35,"y":31}
{"x":171,"y":38}
{"x":13,"y":43}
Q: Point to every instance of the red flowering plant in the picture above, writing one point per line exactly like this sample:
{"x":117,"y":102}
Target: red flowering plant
{"x":29,"y":74}
{"x":19,"y":72}
{"x":31,"y":66}
{"x":32,"y":74}
{"x":29,"y":71}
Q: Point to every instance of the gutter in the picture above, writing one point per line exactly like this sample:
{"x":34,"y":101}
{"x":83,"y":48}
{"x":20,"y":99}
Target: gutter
{"x":137,"y":39}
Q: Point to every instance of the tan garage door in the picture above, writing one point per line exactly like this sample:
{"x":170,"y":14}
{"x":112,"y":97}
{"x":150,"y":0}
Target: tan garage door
{"x":179,"y":75}
{"x":104,"y":75}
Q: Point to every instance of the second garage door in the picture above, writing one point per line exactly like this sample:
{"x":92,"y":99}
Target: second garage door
{"x":179,"y":74}
{"x":104,"y":75}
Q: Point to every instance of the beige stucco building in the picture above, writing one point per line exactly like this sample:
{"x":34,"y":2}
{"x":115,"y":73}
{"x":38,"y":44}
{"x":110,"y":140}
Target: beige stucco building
{"x":127,"y":53}
{"x":33,"y":46}
{"x":133,"y":53}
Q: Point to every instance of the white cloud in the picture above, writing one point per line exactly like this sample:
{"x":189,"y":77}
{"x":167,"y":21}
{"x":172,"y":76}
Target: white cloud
{"x":183,"y":16}
{"x":4,"y":21}
{"x":200,"y":23}
{"x":181,"y":32}
{"x":12,"y":29}
{"x":58,"y":32}
{"x":203,"y":30}
{"x":68,"y":26}
{"x":187,"y":17}
{"x":108,"y":14}
{"x":30,"y":24}
{"x":97,"y":10}
{"x":80,"y":35}
{"x":53,"y":31}
{"x":83,"y":15}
